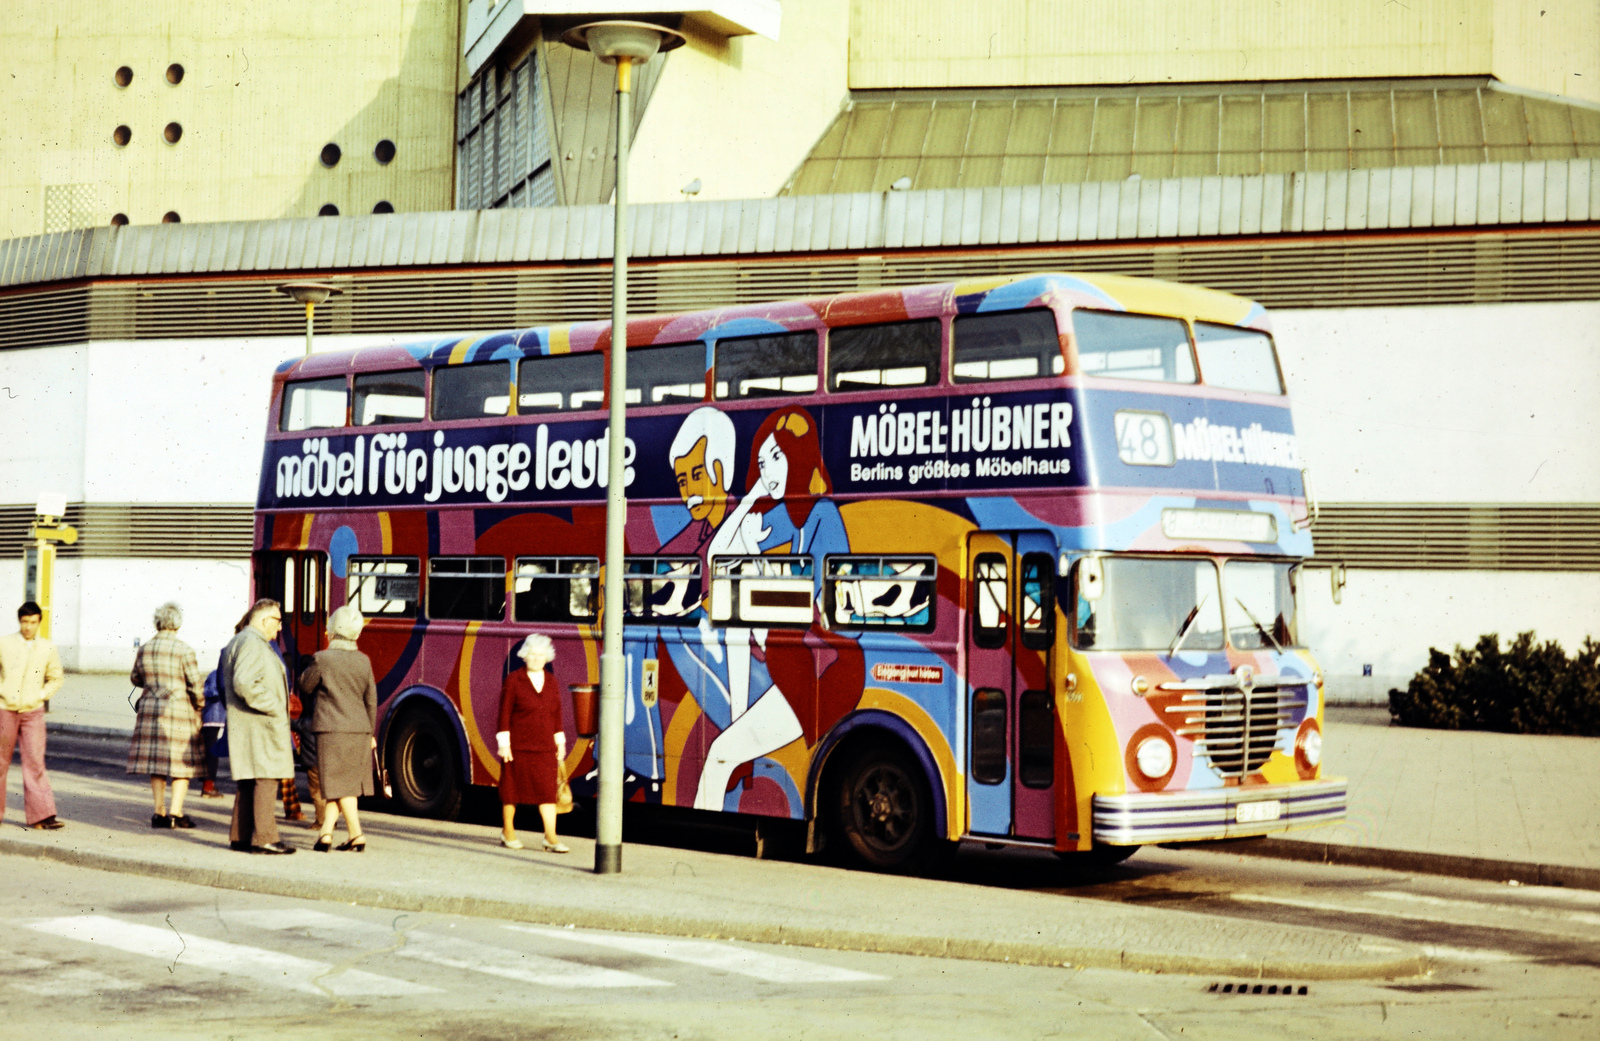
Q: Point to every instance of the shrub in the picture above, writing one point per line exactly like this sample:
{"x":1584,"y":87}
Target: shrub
{"x":1528,"y":688}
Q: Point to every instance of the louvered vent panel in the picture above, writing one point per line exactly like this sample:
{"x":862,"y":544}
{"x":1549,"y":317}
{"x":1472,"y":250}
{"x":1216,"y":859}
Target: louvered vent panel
{"x":1347,"y":273}
{"x":1460,"y":537}
{"x":143,"y":530}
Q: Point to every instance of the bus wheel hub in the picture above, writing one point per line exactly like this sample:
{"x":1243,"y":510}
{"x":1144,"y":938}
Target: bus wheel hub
{"x":881,"y":806}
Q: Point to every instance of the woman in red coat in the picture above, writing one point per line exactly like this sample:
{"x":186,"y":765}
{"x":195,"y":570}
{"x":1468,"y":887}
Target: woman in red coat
{"x":531,"y":743}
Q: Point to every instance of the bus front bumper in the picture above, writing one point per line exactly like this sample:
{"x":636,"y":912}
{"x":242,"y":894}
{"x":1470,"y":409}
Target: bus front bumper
{"x":1145,"y":818}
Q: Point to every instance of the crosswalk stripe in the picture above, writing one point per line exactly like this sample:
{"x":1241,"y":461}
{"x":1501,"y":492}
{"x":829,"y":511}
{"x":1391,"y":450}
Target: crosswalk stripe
{"x":721,"y":956}
{"x":1580,"y":917}
{"x":452,"y":953}
{"x":282,"y":970}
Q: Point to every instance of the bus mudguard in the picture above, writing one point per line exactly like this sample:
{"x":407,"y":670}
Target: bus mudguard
{"x":876,"y":719}
{"x":408,"y":697}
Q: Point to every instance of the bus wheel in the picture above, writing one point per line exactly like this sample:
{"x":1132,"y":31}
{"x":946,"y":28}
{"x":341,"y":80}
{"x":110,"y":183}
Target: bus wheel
{"x":422,"y":766}
{"x":882,"y":809}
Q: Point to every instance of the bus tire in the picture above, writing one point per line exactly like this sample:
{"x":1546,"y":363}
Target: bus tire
{"x":423,"y":765}
{"x":882,"y":811}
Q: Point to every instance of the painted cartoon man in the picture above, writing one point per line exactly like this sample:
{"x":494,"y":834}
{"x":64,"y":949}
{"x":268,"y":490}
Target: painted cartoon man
{"x":702,"y":461}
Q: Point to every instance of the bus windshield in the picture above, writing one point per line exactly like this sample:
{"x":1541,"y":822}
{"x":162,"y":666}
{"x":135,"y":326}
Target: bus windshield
{"x":1148,"y":602}
{"x":1260,"y":604}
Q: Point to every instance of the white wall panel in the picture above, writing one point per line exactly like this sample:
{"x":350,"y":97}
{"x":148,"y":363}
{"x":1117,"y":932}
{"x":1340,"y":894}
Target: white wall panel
{"x":42,"y":401}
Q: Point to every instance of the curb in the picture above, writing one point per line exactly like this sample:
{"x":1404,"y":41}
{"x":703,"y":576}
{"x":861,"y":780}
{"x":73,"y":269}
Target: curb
{"x":962,"y":948}
{"x":1483,"y":869}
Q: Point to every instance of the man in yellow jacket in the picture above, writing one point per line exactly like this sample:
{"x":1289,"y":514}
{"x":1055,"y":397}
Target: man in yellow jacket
{"x":30,"y":675}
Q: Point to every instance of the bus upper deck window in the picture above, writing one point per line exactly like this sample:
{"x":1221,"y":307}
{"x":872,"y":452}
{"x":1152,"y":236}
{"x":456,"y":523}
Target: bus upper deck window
{"x":1239,"y":359}
{"x":310,"y":404}
{"x":467,"y":588}
{"x":381,"y":586}
{"x":561,"y":382}
{"x":1006,"y":345}
{"x":471,"y":391}
{"x":1133,"y":346}
{"x":673,"y":374}
{"x":556,"y":589}
{"x":767,"y":366}
{"x":897,"y":354}
{"x":390,"y":397}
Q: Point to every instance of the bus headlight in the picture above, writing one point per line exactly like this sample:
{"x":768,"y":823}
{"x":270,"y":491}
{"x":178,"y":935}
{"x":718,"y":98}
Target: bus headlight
{"x":1154,"y":757}
{"x":1308,"y":748}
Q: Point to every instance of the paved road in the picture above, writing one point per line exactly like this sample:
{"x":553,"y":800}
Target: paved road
{"x":141,"y":958}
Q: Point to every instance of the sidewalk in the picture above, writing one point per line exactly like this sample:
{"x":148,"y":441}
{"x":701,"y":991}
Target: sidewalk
{"x":1479,"y":805}
{"x":457,"y":868}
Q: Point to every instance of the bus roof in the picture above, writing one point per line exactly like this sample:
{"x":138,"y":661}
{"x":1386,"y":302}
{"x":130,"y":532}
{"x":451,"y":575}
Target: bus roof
{"x":1094,"y":291}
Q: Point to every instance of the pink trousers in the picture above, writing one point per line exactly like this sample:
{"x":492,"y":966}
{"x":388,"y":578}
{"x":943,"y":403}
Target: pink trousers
{"x":26,"y":729}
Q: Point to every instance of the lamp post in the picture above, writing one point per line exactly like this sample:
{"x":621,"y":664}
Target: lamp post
{"x":311,"y":294}
{"x":619,"y":43}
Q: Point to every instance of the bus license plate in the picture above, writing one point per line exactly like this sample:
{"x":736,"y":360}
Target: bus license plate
{"x":1257,"y":812}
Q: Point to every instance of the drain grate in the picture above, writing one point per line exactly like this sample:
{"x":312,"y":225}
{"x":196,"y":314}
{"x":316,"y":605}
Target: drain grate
{"x":1264,"y":989}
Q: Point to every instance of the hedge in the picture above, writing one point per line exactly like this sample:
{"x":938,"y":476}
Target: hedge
{"x":1528,"y":688}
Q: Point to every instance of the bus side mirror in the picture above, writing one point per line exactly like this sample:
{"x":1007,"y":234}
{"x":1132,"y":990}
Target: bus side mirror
{"x":1091,"y":578}
{"x":1336,"y":580}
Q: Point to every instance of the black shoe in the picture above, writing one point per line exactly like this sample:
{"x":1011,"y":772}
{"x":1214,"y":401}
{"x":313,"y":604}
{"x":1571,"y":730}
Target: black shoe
{"x":323,"y":844}
{"x":239,"y":847}
{"x":182,"y":820}
{"x":273,"y":847}
{"x":160,"y":820}
{"x":48,"y":824}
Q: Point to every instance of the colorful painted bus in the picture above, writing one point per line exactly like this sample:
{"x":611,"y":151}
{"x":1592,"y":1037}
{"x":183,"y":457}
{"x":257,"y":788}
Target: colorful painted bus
{"x":1012,"y":560}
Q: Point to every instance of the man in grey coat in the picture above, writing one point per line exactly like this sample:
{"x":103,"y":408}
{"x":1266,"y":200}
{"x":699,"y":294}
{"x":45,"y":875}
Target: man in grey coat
{"x":260,"y":751}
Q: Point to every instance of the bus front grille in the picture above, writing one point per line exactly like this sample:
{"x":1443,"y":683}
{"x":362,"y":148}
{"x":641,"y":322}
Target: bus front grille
{"x":1237,"y":729}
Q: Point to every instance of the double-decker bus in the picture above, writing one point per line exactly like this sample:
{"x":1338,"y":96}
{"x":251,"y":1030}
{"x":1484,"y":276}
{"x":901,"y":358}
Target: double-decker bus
{"x":1012,"y":560}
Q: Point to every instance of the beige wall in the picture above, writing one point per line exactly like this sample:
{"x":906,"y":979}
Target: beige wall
{"x":266,"y":85}
{"x":741,"y":114}
{"x":1552,"y":45}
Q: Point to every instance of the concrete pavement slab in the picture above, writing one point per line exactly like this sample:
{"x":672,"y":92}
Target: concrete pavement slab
{"x":461,"y":868}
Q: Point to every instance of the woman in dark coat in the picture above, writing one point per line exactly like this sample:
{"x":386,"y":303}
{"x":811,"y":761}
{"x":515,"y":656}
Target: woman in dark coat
{"x":166,"y":744}
{"x":340,"y":684}
{"x":531,"y":743}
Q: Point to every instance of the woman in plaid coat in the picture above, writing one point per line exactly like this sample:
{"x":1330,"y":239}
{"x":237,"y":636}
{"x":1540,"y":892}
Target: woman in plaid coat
{"x":166,"y":738}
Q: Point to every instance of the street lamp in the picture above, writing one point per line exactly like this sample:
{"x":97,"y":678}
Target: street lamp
{"x":618,"y":43}
{"x":311,"y":294}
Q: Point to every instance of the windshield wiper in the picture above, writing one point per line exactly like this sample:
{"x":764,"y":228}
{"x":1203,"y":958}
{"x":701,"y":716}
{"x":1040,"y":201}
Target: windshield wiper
{"x":1259,"y":627}
{"x":1183,"y":630}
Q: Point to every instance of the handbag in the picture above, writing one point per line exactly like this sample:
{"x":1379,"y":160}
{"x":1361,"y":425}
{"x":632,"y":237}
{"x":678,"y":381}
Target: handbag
{"x":381,"y":776}
{"x":563,"y":789}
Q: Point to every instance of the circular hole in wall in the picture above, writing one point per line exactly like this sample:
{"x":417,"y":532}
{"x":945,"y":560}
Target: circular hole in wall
{"x":121,"y":136}
{"x":171,"y":217}
{"x":172,"y":133}
{"x":119,"y":219}
{"x":328,"y":210}
{"x":174,"y":74}
{"x":384,"y":153}
{"x":331,"y":154}
{"x":123,"y":76}
{"x":385,"y":206}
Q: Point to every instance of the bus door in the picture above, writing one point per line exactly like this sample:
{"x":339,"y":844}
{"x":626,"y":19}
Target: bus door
{"x":299,"y":581}
{"x":1010,"y":712}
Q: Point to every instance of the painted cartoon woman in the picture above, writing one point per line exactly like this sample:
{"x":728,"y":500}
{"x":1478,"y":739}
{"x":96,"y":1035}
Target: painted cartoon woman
{"x":787,"y":470}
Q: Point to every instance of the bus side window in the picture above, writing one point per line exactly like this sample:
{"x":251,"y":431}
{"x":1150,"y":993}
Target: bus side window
{"x":989,"y":598}
{"x":1006,"y":345}
{"x":390,"y":397}
{"x":767,"y":366}
{"x":384,"y":586}
{"x":313,"y":404}
{"x":556,"y":589}
{"x":1133,"y":346}
{"x":762,"y":590}
{"x":881,"y":592}
{"x":472,"y":391}
{"x":469,"y":589}
{"x":898,"y":354}
{"x":1083,"y":611}
{"x":663,"y":588}
{"x":1036,"y":611}
{"x":561,"y":383}
{"x":671,"y":374}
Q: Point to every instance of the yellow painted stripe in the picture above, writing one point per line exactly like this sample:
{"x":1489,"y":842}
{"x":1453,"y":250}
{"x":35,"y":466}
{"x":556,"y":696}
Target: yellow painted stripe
{"x":672,"y":742}
{"x":458,"y":353}
{"x":305,"y":531}
{"x":560,"y":339}
{"x":388,"y":533}
{"x":474,"y":738}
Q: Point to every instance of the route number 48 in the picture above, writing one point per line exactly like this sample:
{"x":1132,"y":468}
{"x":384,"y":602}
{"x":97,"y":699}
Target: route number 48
{"x":1144,"y":438}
